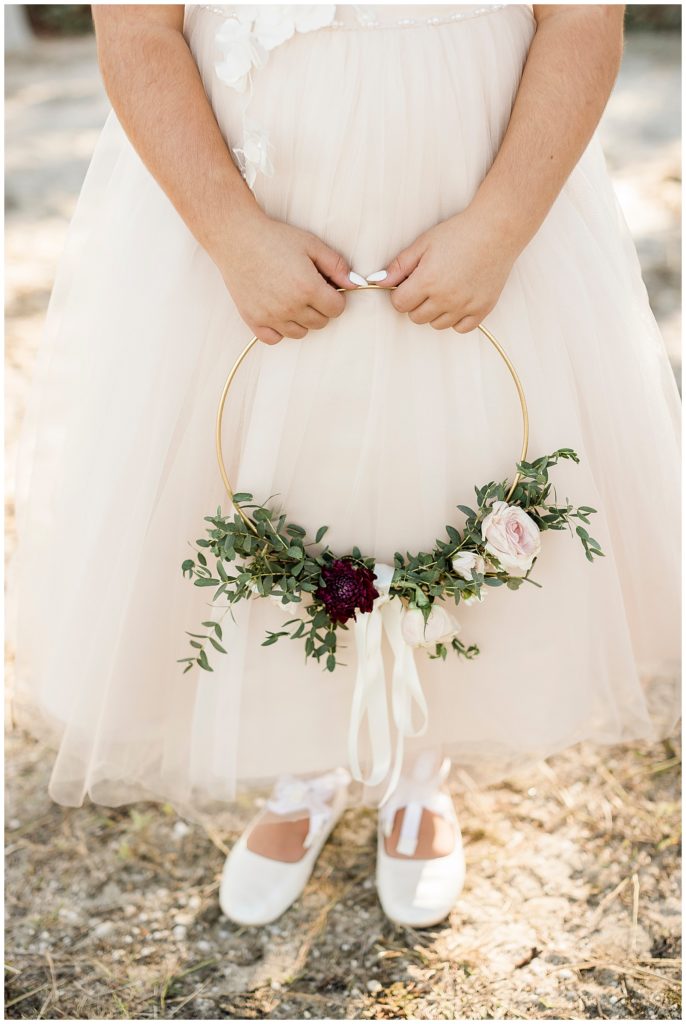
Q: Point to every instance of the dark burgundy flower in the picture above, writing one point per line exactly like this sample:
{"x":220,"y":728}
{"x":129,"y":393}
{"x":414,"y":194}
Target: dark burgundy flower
{"x":347,"y":589}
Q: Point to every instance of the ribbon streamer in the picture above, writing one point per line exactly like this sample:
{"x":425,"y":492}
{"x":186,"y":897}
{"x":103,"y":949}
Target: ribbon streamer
{"x":370,"y":694}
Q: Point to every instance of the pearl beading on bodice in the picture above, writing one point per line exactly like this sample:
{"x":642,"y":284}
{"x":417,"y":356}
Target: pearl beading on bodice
{"x":367,"y":18}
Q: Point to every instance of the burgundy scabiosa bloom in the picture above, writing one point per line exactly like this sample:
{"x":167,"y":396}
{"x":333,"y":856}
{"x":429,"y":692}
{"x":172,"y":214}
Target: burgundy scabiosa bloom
{"x":347,"y":589}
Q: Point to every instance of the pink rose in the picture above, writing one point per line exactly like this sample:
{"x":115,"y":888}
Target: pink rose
{"x":512,"y":537}
{"x":440,"y":627}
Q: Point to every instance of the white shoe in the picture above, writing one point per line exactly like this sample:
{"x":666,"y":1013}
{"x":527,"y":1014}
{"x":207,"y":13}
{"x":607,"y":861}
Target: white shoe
{"x":419,"y":893}
{"x":256,"y":890}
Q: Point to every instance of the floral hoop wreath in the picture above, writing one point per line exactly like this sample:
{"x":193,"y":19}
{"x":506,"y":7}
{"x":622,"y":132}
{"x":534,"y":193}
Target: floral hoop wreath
{"x":257,"y":552}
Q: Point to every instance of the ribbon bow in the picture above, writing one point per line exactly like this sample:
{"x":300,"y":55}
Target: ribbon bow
{"x":369,"y":696}
{"x":291,"y":794}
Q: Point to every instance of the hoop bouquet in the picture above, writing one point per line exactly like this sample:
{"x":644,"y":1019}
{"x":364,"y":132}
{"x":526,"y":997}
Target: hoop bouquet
{"x":254,"y":551}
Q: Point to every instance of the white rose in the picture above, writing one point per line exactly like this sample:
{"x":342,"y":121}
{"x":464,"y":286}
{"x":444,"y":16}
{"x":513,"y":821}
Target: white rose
{"x":295,"y":609}
{"x":466,"y":563}
{"x":440,"y":626}
{"x":512,"y":537}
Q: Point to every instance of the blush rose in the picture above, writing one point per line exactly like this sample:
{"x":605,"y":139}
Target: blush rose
{"x":512,"y":537}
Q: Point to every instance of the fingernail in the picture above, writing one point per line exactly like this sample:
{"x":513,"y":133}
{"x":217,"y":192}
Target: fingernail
{"x":378,"y":275}
{"x":356,"y":278}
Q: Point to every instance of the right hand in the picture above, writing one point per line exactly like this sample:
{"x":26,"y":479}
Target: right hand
{"x":282,"y":279}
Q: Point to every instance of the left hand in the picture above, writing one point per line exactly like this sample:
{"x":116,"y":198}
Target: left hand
{"x":451,"y":275}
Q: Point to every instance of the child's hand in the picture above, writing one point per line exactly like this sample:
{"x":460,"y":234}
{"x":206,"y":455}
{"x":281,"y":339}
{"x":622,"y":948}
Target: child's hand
{"x":282,"y":279}
{"x":451,"y":275}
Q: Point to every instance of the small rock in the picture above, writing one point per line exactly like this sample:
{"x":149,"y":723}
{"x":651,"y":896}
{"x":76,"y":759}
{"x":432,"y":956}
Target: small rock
{"x":103,"y":929}
{"x":204,"y":946}
{"x":129,"y":910}
{"x":180,"y":830}
{"x":194,"y":902}
{"x":374,"y":986}
{"x":179,"y":932}
{"x":70,"y":916}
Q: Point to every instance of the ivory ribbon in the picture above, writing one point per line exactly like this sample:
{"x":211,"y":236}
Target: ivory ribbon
{"x":369,"y":696}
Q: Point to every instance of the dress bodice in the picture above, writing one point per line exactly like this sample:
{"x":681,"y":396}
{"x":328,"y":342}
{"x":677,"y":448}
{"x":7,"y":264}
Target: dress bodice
{"x":246,"y":33}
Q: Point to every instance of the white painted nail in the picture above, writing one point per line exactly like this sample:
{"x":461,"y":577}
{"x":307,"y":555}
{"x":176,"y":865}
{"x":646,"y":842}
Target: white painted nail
{"x":378,"y":275}
{"x":356,"y":278}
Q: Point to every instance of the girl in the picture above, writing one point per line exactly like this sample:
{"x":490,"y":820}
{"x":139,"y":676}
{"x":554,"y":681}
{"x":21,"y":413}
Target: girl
{"x":258,"y":160}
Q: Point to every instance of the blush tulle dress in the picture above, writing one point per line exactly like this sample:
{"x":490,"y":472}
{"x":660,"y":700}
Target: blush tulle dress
{"x":365,"y":125}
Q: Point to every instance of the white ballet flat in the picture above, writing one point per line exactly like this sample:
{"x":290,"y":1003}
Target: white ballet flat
{"x":418,"y":893}
{"x":256,"y":890}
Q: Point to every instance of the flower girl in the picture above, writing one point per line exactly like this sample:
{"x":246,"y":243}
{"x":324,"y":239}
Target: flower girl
{"x":261,"y":168}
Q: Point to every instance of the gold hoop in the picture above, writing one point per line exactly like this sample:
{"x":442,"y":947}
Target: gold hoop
{"x":254,"y":340}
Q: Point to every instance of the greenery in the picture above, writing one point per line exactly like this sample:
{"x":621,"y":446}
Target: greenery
{"x":60,"y":19}
{"x":270,"y":557}
{"x":659,"y":17}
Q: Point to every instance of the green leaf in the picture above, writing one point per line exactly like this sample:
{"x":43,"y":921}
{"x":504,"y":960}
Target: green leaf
{"x":204,"y":663}
{"x":320,"y":533}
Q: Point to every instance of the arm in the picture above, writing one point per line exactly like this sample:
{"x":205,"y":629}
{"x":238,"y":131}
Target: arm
{"x":567,"y":80}
{"x":453,"y":274}
{"x":275,"y":272}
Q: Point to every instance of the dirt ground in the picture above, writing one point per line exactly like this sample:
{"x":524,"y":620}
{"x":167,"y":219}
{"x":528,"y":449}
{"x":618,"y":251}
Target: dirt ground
{"x":571,"y":908}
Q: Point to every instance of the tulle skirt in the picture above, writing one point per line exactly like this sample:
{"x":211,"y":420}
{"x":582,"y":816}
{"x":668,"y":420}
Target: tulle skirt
{"x":375,"y":426}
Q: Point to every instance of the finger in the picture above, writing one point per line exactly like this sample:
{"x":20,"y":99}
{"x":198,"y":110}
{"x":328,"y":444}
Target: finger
{"x":292,"y":329}
{"x":424,"y":312}
{"x":402,"y":265}
{"x":326,"y":300}
{"x":467,"y":324}
{"x":268,"y":335}
{"x":409,"y":295}
{"x":329,"y":263}
{"x":313,"y":319}
{"x":443,"y":321}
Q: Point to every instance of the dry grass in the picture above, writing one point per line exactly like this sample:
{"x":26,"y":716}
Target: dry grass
{"x":571,"y":909}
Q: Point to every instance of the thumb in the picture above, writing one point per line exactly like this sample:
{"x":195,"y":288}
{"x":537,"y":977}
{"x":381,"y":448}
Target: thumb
{"x":329,"y":263}
{"x":402,"y":265}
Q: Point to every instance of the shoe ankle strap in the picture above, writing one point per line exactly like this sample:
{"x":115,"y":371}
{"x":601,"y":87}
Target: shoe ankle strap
{"x":414,"y":794}
{"x":314,"y":795}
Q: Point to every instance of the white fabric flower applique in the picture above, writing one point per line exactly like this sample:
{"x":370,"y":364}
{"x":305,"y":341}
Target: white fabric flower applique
{"x":244,"y":41}
{"x":255,"y":155}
